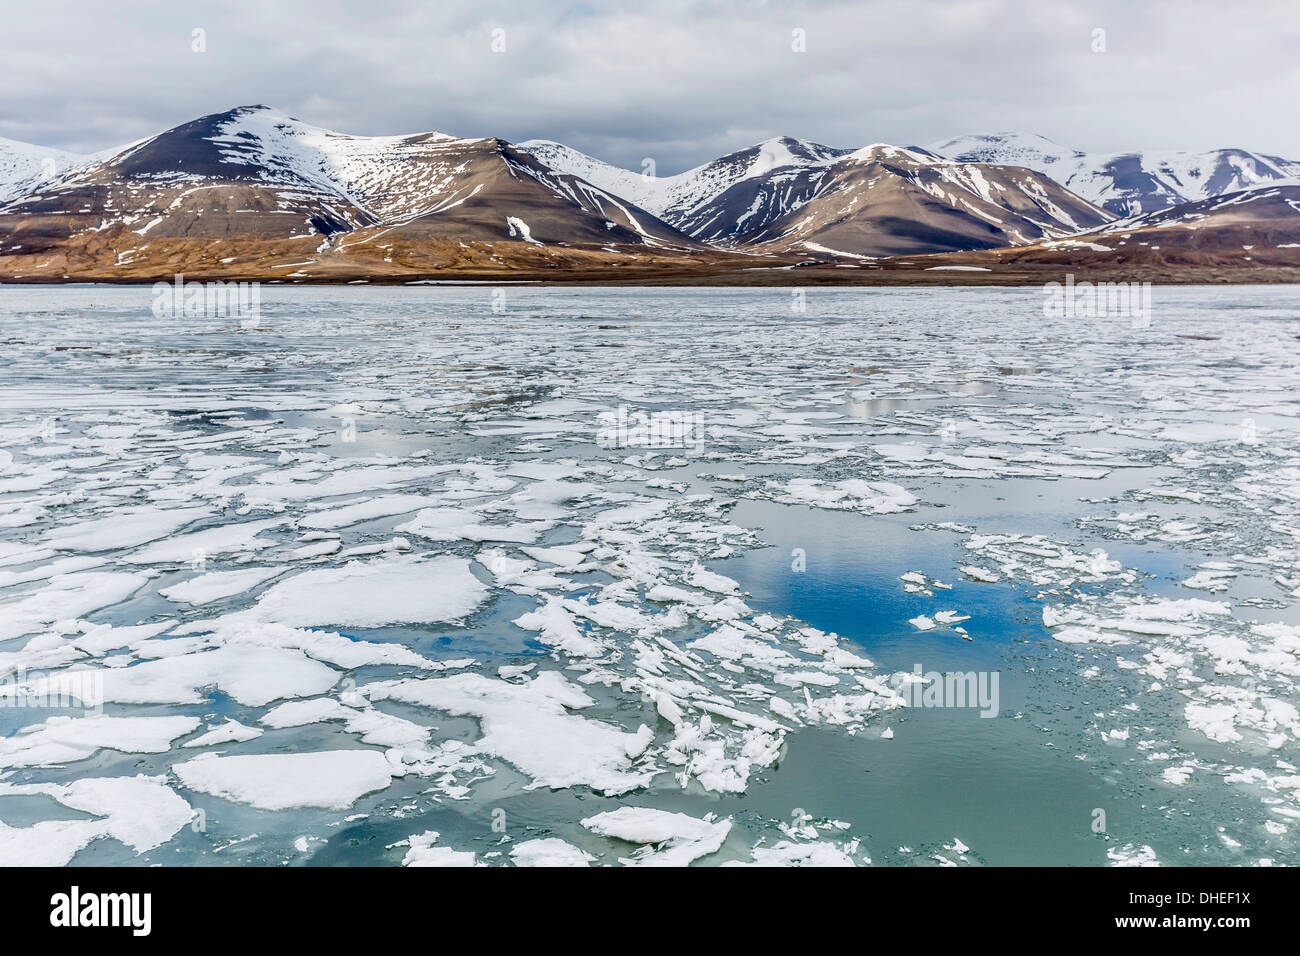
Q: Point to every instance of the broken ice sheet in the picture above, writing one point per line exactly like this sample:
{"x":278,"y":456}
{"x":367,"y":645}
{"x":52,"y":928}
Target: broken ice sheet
{"x":473,"y":601}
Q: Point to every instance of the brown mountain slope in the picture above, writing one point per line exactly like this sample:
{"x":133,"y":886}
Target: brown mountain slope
{"x":882,"y":201}
{"x":253,"y":177}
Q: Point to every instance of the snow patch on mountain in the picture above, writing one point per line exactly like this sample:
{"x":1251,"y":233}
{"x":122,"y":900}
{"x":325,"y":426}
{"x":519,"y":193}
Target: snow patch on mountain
{"x":678,"y":199}
{"x":25,"y":168}
{"x":1125,"y":183}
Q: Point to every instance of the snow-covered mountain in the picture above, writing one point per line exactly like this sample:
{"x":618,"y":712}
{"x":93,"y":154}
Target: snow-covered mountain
{"x":254,"y":171}
{"x":1256,"y":228}
{"x":717,"y":201}
{"x":254,"y":185}
{"x":24,"y":167}
{"x":884,"y":200}
{"x":793,"y":191}
{"x":1260,"y":217}
{"x":1125,"y":183}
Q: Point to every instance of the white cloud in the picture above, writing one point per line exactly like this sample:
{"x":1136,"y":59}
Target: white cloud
{"x":680,"y":82}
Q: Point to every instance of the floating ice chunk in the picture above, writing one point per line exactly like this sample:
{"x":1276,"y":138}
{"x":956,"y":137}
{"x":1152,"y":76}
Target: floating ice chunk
{"x":559,"y":630}
{"x":613,"y":615}
{"x":787,"y":853}
{"x":400,"y":590}
{"x":914,"y":582}
{"x":296,"y":713}
{"x":550,"y":499}
{"x":48,"y":843}
{"x":277,"y":489}
{"x":739,"y":717}
{"x":1210,"y":579}
{"x":392,"y":546}
{"x":424,"y":853}
{"x":231,"y":732}
{"x":922,"y":623}
{"x":1099,"y":563}
{"x":671,"y":593}
{"x":1200,"y":433}
{"x":216,"y":585}
{"x":908,"y":452}
{"x":509,"y":671}
{"x":1213,"y":720}
{"x":346,"y":652}
{"x":643,"y":738}
{"x":329,"y":778}
{"x":98,"y":639}
{"x":251,"y":675}
{"x":318,"y":550}
{"x":1087,"y":635}
{"x":729,"y":643}
{"x":852,"y":494}
{"x":634,"y":514}
{"x":46,"y":571}
{"x":668,"y":709}
{"x":67,"y":739}
{"x":141,"y":812}
{"x":568,"y":557}
{"x":12,"y":553}
{"x":519,"y":574}
{"x":1163,"y":616}
{"x":375,"y":727}
{"x":304,"y":843}
{"x":67,"y":596}
{"x":126,"y":528}
{"x":1132,"y":855}
{"x":701,"y":577}
{"x":679,"y":838}
{"x":550,"y":851}
{"x":225,"y":539}
{"x":454,"y":524}
{"x":528,"y":725}
{"x":382,"y":506}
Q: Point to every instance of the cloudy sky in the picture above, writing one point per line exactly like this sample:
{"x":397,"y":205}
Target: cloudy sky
{"x":679,"y":82}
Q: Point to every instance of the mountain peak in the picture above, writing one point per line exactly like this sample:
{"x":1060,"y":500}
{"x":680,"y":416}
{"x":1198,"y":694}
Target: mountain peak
{"x":253,"y":162}
{"x":1002,"y":148}
{"x":1125,"y":183}
{"x":884,"y":151}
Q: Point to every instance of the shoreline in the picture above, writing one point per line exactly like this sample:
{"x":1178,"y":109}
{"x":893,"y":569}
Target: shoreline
{"x":777,"y":276}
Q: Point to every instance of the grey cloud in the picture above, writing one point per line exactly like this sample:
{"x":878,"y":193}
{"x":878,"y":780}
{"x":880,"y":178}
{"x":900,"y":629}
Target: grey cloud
{"x":680,"y":82}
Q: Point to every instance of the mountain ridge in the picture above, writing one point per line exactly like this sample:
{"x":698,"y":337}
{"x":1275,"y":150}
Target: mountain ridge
{"x":254,"y":185}
{"x":1125,"y":183}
